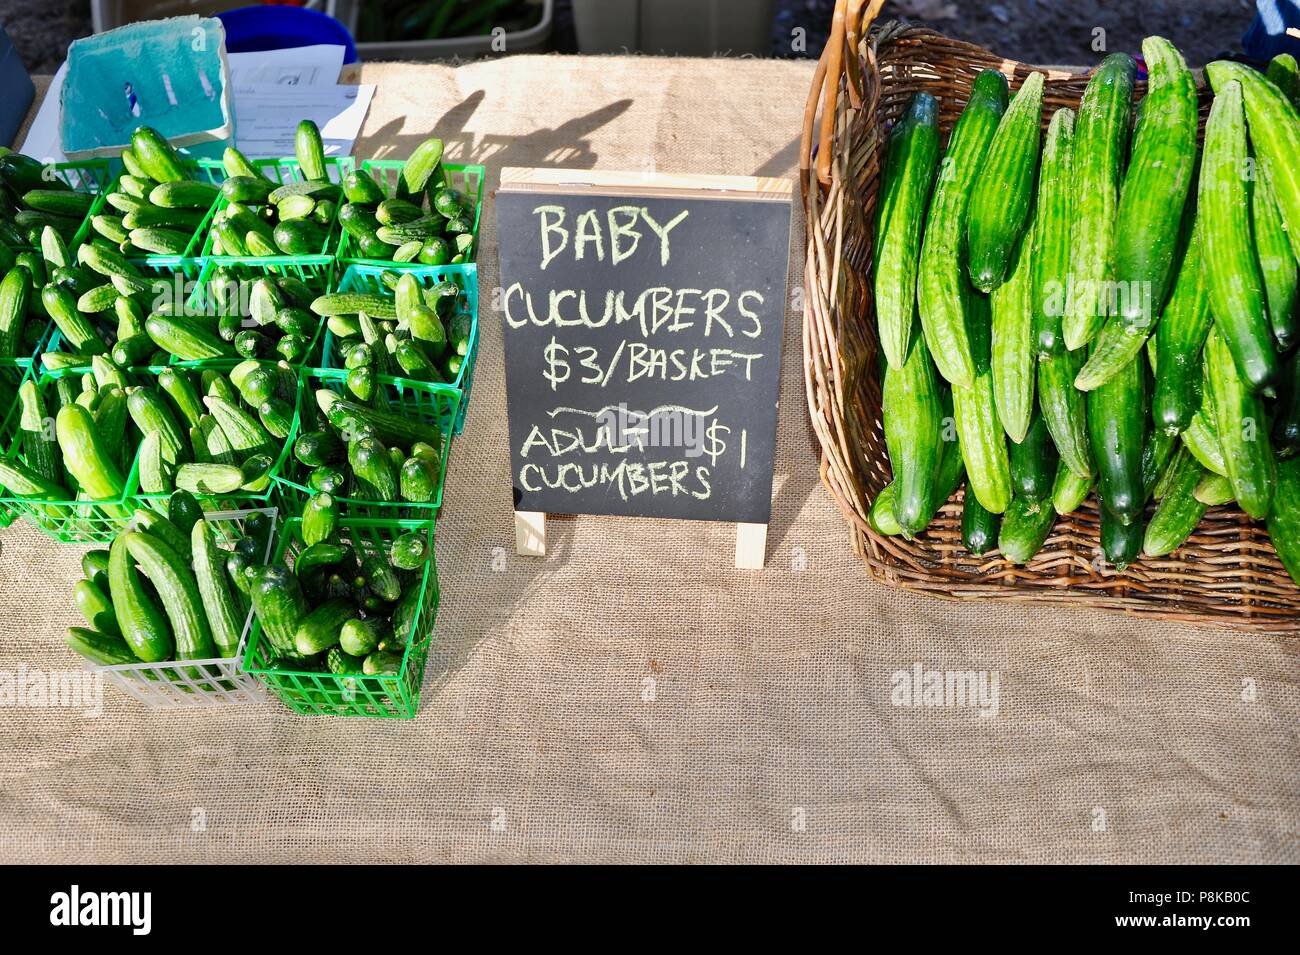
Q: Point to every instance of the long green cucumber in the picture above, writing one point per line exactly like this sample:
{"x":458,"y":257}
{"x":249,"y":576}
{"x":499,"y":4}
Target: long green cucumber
{"x":1117,"y":414}
{"x":142,"y":622}
{"x":881,"y":515}
{"x":941,"y":278}
{"x":1284,"y":519}
{"x":1069,"y":490}
{"x":1101,"y":136}
{"x":110,"y":422}
{"x":176,"y":384}
{"x":1033,"y":462}
{"x":912,"y":416}
{"x":1286,"y":415}
{"x":1236,"y":288}
{"x":1284,"y":73}
{"x":1003,"y":194}
{"x":244,"y":431}
{"x":1277,"y":263}
{"x":1121,"y":543}
{"x":1053,"y":235}
{"x":1025,"y":527}
{"x":952,"y":467}
{"x":1275,"y":134}
{"x":1178,"y":512}
{"x":979,"y":526}
{"x":1157,"y":451}
{"x":1243,"y":430}
{"x":1180,"y":338}
{"x":1124,"y":335}
{"x":1156,"y":184}
{"x":983,"y":440}
{"x":1013,"y":360}
{"x":1064,"y":409}
{"x":905,"y":190}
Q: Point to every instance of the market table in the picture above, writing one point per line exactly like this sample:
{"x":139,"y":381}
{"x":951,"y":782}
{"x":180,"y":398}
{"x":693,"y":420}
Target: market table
{"x":632,"y":697}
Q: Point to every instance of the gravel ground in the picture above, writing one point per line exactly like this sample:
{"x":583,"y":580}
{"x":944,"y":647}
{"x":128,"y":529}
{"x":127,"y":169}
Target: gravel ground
{"x":1039,"y":31}
{"x":1048,"y":31}
{"x":42,"y":29}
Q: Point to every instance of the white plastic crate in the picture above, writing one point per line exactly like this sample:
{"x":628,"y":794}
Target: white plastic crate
{"x":197,"y":683}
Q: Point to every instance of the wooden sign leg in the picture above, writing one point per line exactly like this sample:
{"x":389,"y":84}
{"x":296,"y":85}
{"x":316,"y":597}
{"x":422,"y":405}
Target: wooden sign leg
{"x":530,"y":533}
{"x":751,"y":546}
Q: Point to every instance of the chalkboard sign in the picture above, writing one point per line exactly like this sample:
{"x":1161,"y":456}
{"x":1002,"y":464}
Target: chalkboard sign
{"x":643,"y":327}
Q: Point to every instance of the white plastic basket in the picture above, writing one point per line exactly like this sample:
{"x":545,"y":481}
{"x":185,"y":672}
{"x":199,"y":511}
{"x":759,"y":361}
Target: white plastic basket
{"x":197,"y":683}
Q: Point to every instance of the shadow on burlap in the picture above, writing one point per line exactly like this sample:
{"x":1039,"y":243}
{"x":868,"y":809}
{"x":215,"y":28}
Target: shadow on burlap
{"x":632,"y":697}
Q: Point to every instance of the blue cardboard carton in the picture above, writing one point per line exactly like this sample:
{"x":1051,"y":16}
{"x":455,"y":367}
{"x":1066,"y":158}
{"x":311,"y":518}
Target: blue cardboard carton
{"x":172,"y":75}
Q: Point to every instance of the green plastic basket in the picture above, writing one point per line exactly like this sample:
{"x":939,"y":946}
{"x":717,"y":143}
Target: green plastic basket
{"x":66,"y":521}
{"x":195,"y":291}
{"x":317,"y":270}
{"x":218,"y":681}
{"x":387,"y":173}
{"x":394,"y":696}
{"x":187,"y":264}
{"x":418,"y":400}
{"x":201,"y":301}
{"x":92,"y":176}
{"x":238,"y":500}
{"x":369,"y":278}
{"x":14,"y":370}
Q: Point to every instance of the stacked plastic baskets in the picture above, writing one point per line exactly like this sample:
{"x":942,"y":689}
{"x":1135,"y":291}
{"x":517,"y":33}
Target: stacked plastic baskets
{"x":369,"y":527}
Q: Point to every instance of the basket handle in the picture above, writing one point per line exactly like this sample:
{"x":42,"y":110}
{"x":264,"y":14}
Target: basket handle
{"x":850,"y":22}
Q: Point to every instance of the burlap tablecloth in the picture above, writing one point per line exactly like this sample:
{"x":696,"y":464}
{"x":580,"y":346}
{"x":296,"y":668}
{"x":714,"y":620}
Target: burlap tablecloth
{"x":632,"y":697}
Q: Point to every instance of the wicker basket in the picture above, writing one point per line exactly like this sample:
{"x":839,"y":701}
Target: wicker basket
{"x":1226,"y":574}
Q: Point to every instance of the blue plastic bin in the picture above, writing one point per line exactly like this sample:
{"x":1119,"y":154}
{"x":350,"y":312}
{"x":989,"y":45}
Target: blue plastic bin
{"x":250,"y":29}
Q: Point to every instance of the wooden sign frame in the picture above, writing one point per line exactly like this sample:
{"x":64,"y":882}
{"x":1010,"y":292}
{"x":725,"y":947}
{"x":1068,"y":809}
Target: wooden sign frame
{"x":530,"y":526}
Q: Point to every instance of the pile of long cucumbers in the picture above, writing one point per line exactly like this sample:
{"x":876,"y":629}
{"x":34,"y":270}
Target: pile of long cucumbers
{"x":1106,"y":306}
